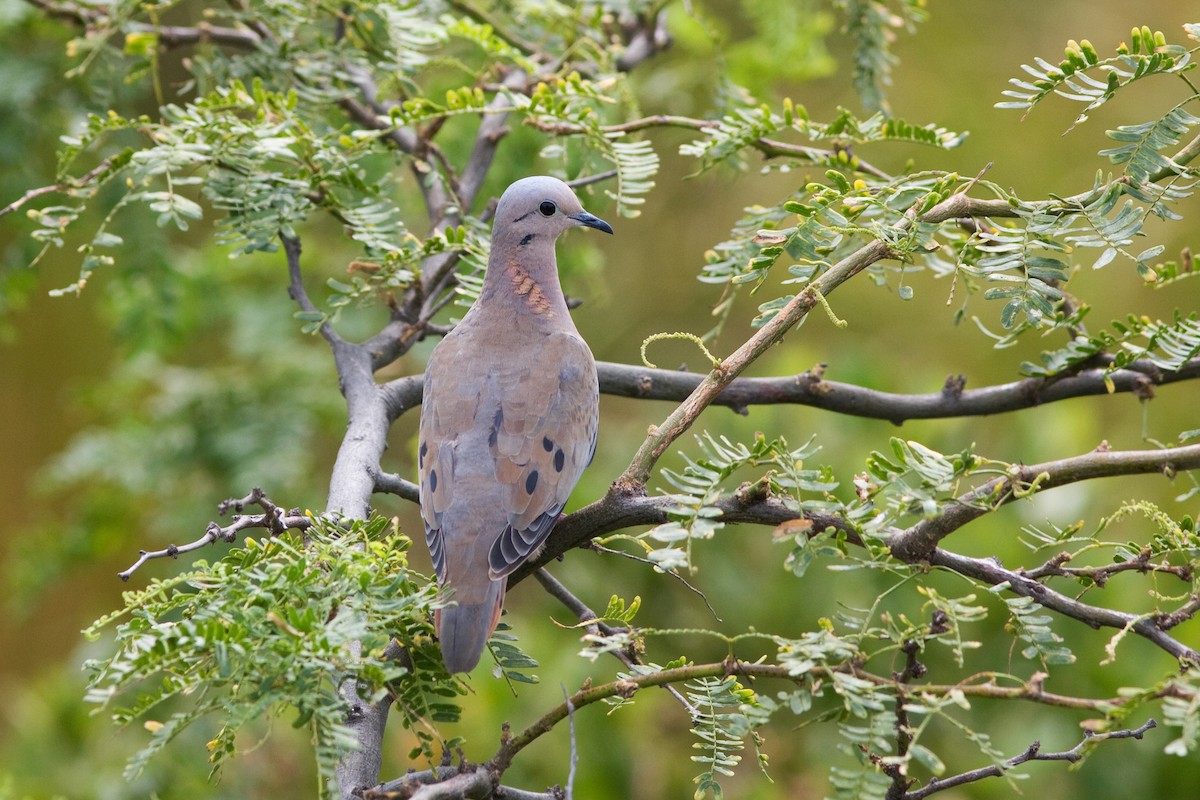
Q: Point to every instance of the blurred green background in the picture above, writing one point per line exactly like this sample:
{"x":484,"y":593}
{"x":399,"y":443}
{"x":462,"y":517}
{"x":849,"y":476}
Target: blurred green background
{"x":180,"y":378}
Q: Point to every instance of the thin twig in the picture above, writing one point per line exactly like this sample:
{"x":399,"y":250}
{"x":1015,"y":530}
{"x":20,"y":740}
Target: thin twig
{"x":569,"y":791}
{"x":1100,"y":575}
{"x":1032,"y":753}
{"x":74,"y":183}
{"x":274,"y":519}
{"x":599,"y":548}
{"x":627,"y":687}
{"x":591,"y":619}
{"x":391,"y":483}
{"x":769,"y":148}
{"x":296,"y":290}
{"x":588,"y":180}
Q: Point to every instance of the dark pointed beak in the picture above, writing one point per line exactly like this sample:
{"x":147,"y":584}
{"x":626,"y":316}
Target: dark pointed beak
{"x":584,"y":218}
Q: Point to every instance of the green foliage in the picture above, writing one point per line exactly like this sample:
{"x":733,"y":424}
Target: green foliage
{"x":695,"y":517}
{"x":872,"y":25}
{"x":1019,"y":259}
{"x":257,"y":145}
{"x":274,"y":628}
{"x":722,"y":725}
{"x":1149,"y":54}
{"x":318,"y":125}
{"x":1181,"y":709}
{"x":911,"y":481}
{"x":1166,"y":345}
{"x":511,"y":662}
{"x":1034,"y":628}
{"x":1141,"y":151}
{"x":748,"y":125}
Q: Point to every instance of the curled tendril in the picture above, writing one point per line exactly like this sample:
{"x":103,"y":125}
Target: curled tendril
{"x":691,"y":337}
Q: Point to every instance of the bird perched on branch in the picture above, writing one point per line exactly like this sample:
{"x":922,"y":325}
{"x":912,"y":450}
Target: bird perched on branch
{"x":508,"y":419}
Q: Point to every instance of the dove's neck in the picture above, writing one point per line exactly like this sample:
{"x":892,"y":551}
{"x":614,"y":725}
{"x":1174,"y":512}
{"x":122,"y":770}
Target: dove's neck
{"x":522,"y":279}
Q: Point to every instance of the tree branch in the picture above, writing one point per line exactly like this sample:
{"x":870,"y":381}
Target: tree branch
{"x":274,"y":519}
{"x":813,"y":390}
{"x":788,"y":317}
{"x":769,"y":148}
{"x":511,"y":745}
{"x":914,"y":544}
{"x":674,"y":426}
{"x":621,"y":508}
{"x":168,"y":35}
{"x":352,"y":482}
{"x":991,"y":572}
{"x":74,"y":183}
{"x":1100,"y":575}
{"x":413,"y":784}
{"x":1032,"y":753}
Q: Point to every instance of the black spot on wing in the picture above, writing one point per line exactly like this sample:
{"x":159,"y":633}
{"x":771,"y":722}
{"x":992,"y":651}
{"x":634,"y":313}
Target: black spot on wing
{"x":421,"y":455}
{"x":531,"y":482}
{"x":560,"y":460}
{"x":496,"y":423}
{"x":433,"y":480}
{"x":547,"y":445}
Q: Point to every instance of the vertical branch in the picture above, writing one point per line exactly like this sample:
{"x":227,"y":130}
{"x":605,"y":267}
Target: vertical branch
{"x":351,"y":484}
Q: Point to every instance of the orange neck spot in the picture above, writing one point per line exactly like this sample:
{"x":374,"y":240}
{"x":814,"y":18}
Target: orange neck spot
{"x":525,"y":286}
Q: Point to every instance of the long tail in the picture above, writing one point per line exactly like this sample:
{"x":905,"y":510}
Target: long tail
{"x":463,"y":629}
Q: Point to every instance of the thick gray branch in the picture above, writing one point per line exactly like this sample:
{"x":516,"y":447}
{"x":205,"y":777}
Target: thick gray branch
{"x":811,"y":389}
{"x":920,"y":540}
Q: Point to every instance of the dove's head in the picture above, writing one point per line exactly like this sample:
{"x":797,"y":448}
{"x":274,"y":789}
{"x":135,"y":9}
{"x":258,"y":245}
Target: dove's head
{"x":541,"y":207}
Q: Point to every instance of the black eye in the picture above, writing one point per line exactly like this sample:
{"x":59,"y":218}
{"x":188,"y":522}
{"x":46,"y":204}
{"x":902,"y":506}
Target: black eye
{"x":547,"y":208}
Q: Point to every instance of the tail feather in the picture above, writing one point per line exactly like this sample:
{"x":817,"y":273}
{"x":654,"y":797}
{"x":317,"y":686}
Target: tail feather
{"x":463,"y":628}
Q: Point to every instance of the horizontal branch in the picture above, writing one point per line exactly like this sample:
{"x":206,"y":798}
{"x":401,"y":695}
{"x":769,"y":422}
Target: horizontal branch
{"x":168,"y":35}
{"x":74,"y":183}
{"x":990,"y":571}
{"x":451,"y":782}
{"x":626,"y":687}
{"x":1032,"y":753}
{"x":918,"y":541}
{"x":622,"y":508}
{"x":769,"y":148}
{"x":813,"y":390}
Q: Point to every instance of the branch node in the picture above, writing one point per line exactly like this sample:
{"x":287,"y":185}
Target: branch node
{"x":954,"y":385}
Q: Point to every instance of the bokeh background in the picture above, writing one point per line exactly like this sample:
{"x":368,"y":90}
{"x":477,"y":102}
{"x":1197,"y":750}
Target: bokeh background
{"x":179,"y":378}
